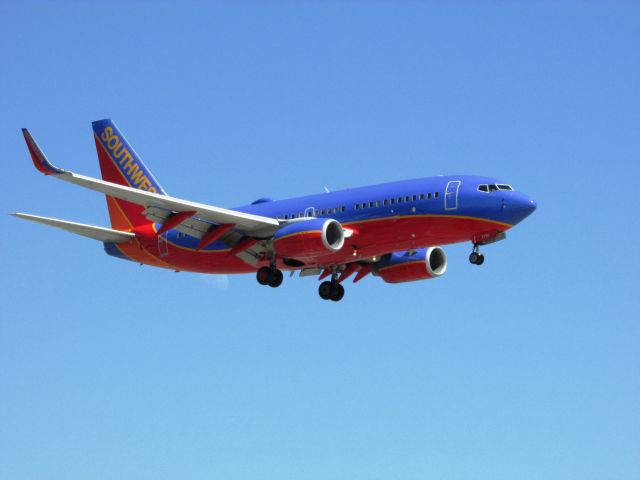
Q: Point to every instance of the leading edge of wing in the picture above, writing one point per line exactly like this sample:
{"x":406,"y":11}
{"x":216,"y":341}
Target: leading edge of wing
{"x":249,"y":223}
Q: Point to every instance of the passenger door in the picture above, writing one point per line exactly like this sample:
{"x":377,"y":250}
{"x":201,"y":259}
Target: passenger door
{"x":451,"y":195}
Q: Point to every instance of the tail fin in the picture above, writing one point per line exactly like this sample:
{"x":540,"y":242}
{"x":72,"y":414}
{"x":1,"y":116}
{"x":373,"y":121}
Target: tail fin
{"x":120,"y":164}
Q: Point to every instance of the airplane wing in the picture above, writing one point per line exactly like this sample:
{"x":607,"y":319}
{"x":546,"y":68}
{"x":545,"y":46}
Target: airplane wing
{"x":89,"y":231}
{"x":253,"y":225}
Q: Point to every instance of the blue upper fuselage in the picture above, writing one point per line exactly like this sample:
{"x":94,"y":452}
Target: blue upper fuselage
{"x":455,"y":195}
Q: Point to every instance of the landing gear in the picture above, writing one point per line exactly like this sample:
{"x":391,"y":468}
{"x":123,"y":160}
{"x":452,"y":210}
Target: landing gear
{"x":269,"y":276}
{"x":276,"y":278}
{"x":325,"y":290}
{"x":476,"y":257}
{"x":331,"y":291}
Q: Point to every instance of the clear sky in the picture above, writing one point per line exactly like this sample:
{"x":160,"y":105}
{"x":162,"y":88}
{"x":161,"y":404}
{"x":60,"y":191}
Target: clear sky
{"x":527,"y":367}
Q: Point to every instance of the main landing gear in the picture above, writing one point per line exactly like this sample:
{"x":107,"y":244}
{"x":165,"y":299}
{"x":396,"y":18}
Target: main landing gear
{"x":331,"y":291}
{"x":269,"y":276}
{"x":476,"y":257}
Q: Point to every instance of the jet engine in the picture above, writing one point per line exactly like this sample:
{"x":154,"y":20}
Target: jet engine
{"x":309,"y":238}
{"x":413,"y":265}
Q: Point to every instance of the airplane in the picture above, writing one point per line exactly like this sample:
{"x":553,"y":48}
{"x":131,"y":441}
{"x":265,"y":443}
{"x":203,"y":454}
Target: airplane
{"x":391,"y":230}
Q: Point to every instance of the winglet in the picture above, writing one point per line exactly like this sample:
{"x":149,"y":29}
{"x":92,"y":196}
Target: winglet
{"x":39,"y":159}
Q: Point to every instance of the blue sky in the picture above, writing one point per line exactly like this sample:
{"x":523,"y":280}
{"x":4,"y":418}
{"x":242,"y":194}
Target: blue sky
{"x":527,"y":367}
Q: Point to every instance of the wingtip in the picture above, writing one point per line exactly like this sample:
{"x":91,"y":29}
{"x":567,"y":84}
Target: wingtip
{"x":39,"y":159}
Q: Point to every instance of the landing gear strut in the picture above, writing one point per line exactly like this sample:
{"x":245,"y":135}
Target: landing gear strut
{"x":476,"y":257}
{"x":269,"y":276}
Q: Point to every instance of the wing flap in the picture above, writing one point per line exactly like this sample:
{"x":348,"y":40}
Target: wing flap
{"x":97,"y":233}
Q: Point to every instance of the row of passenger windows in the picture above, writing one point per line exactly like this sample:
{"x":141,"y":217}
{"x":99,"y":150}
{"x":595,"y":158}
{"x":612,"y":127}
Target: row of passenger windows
{"x":493,"y":188}
{"x":393,"y":201}
{"x":314,"y":213}
{"x":359,"y":206}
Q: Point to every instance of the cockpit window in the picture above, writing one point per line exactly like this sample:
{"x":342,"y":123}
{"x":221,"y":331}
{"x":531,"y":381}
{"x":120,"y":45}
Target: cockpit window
{"x":494,"y":188}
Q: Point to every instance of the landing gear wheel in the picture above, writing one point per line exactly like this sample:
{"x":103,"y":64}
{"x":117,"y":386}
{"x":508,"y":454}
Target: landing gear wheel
{"x":474,"y":258}
{"x":337,"y":292}
{"x":264,"y":275}
{"x":324,"y":290}
{"x":480,"y":260}
{"x":275,"y":279}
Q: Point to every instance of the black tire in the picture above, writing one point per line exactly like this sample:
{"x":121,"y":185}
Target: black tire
{"x":473,"y":258}
{"x":480,"y":260}
{"x":276,"y":278}
{"x":324,"y":290}
{"x":337,"y":292}
{"x":263,"y":275}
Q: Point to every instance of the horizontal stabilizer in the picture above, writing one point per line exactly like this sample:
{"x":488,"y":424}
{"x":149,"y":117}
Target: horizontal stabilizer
{"x":89,"y":231}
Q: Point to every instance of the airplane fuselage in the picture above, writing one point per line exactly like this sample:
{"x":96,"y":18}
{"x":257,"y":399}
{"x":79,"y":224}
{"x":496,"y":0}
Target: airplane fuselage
{"x":385,"y":218}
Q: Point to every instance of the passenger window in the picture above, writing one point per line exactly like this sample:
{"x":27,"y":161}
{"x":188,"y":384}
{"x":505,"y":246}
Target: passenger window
{"x":392,"y":201}
{"x":356,"y":206}
{"x":342,"y":209}
{"x":370,"y":204}
{"x":384,"y":202}
{"x":399,"y":199}
{"x":414,"y":198}
{"x":364,"y":205}
{"x":377,"y":203}
{"x":422,"y":196}
{"x":435,"y":195}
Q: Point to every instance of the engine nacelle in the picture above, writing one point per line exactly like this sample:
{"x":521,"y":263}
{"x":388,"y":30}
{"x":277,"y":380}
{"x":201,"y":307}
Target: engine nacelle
{"x":419,"y":264}
{"x":308,"y":238}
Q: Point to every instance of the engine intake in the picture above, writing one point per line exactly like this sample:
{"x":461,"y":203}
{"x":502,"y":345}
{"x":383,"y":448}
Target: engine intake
{"x":414,"y":265}
{"x":308,"y":238}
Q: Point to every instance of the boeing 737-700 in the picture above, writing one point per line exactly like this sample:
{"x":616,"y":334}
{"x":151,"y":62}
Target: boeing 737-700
{"x":392,"y":230}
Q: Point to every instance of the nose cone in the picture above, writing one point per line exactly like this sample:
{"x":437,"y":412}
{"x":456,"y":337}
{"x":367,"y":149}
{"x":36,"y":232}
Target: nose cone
{"x":522,"y":206}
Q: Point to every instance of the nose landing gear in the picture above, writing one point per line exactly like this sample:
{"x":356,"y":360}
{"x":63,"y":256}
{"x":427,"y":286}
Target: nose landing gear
{"x":476,"y":257}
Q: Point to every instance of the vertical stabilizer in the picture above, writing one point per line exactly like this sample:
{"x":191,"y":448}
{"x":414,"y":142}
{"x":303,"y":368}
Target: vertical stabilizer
{"x":120,"y":164}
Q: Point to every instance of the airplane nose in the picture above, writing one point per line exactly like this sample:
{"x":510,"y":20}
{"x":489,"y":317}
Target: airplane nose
{"x":517,"y":207}
{"x":530,"y":205}
{"x":525,"y":206}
